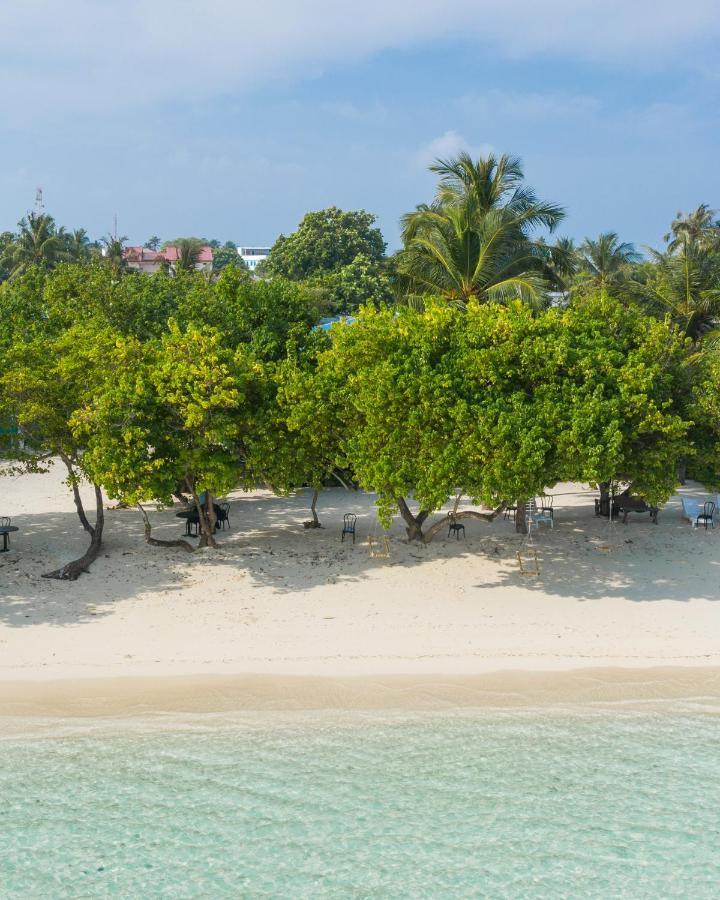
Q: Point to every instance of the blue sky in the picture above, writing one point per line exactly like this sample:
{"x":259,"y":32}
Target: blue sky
{"x":231,"y":119}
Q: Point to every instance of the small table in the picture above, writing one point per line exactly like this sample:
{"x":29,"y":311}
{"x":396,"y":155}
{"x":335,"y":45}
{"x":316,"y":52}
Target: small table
{"x":192,"y":518}
{"x":5,"y":531}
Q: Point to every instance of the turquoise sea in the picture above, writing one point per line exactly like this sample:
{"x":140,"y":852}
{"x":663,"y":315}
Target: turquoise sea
{"x":524,"y":804}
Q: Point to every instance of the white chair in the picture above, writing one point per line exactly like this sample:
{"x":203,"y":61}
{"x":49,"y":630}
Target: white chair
{"x":535,"y":516}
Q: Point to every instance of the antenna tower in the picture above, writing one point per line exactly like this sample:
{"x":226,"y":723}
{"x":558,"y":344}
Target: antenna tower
{"x":39,"y":205}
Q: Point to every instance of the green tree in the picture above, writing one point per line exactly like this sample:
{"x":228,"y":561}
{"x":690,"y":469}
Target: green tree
{"x":172,"y":416}
{"x":48,"y":373}
{"x":498,"y":403}
{"x":344,"y":291}
{"x":227,"y":255}
{"x":325,"y":241}
{"x":39,"y":243}
{"x":684,"y":281}
{"x":153,"y":243}
{"x":77,"y":246}
{"x":475,"y":240}
{"x":113,"y":253}
{"x":605,"y":262}
{"x":7,"y":248}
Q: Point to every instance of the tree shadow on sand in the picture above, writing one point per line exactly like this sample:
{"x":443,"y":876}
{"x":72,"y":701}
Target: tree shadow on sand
{"x":268,"y":544}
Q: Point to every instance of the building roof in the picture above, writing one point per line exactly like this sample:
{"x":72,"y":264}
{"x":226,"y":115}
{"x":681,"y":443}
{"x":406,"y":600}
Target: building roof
{"x":170,"y":254}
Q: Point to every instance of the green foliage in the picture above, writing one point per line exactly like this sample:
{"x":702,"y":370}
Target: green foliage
{"x":325,"y":241}
{"x":475,"y":240}
{"x":227,"y":255}
{"x":497,"y":401}
{"x":605,"y":263}
{"x":173,"y":414}
{"x":344,"y":291}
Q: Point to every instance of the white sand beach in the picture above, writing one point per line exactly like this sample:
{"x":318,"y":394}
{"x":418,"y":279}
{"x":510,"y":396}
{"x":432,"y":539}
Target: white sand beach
{"x":277,"y":599}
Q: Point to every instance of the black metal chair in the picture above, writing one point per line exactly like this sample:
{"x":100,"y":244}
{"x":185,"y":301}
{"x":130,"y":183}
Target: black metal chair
{"x":5,"y":529}
{"x":706,"y":515}
{"x":349,"y":520}
{"x":455,"y":527}
{"x":223,"y":514}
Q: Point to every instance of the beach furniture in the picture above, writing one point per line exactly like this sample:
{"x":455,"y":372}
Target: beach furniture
{"x":545,"y":505}
{"x":455,"y":527}
{"x":349,"y":520}
{"x":706,"y":515}
{"x":6,"y":529}
{"x":223,"y":514}
{"x":536,"y":516}
{"x":691,"y":509}
{"x":626,"y":503}
{"x":192,"y":520}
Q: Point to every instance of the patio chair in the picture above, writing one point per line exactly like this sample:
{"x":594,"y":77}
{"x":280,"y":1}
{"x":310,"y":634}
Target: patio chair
{"x":349,"y":520}
{"x":706,"y":515}
{"x":222,"y":514}
{"x":545,"y":504}
{"x":455,"y":527}
{"x":535,"y":516}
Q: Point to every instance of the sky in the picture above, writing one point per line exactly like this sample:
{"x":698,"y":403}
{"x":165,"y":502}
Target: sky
{"x":229,"y":119}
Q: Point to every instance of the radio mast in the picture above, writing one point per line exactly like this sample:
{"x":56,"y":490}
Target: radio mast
{"x":39,"y":205}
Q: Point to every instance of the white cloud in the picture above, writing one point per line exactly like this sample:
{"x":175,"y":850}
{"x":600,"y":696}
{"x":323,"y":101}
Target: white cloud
{"x":109,"y":55}
{"x":445,"y":146}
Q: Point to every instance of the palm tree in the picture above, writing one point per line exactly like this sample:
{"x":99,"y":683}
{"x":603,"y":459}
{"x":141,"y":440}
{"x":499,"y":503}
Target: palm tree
{"x":475,"y":239}
{"x":78,"y":245}
{"x":604,"y":262}
{"x":113,"y":252}
{"x":686,"y":279}
{"x":695,"y":231}
{"x":39,"y":243}
{"x":188,"y":253}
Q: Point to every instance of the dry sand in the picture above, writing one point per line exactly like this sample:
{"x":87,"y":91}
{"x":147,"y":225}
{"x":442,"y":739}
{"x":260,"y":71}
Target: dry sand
{"x":278,"y":600}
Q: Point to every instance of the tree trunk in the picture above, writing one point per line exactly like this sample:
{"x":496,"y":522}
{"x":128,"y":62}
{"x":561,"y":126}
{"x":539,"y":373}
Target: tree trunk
{"x":413,"y":523}
{"x":605,"y":498}
{"x":207,"y":536}
{"x":73,"y":570}
{"x":682,"y":469}
{"x":314,"y":522}
{"x":438,"y":526}
{"x":76,"y":494}
{"x":521,"y":525}
{"x":156,"y":542}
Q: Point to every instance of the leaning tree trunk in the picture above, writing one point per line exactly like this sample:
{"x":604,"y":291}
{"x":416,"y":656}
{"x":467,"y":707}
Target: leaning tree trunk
{"x":521,"y":524}
{"x":157,"y":542}
{"x":73,"y":570}
{"x":314,"y":522}
{"x":438,"y":526}
{"x":414,"y":523}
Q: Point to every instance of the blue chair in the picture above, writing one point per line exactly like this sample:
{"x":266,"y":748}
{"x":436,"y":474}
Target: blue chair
{"x":349,"y":520}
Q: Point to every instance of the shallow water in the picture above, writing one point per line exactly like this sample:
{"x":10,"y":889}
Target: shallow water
{"x":528,"y":804}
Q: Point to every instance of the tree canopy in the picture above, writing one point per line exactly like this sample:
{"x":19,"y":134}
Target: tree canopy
{"x":325,"y":241}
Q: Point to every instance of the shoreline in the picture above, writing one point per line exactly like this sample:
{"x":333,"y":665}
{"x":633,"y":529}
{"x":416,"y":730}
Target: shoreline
{"x":133,"y":696}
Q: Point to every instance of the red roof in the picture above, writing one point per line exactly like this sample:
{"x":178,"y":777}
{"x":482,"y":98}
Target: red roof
{"x":171,"y":254}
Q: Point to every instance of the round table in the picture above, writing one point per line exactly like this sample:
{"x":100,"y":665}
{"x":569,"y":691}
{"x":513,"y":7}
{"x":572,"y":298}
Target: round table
{"x":5,"y":531}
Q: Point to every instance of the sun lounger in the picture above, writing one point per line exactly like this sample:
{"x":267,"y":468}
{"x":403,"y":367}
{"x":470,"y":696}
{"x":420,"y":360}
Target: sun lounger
{"x":691,"y":509}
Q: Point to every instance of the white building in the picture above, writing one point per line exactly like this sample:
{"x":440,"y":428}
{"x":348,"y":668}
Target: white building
{"x":253,"y":256}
